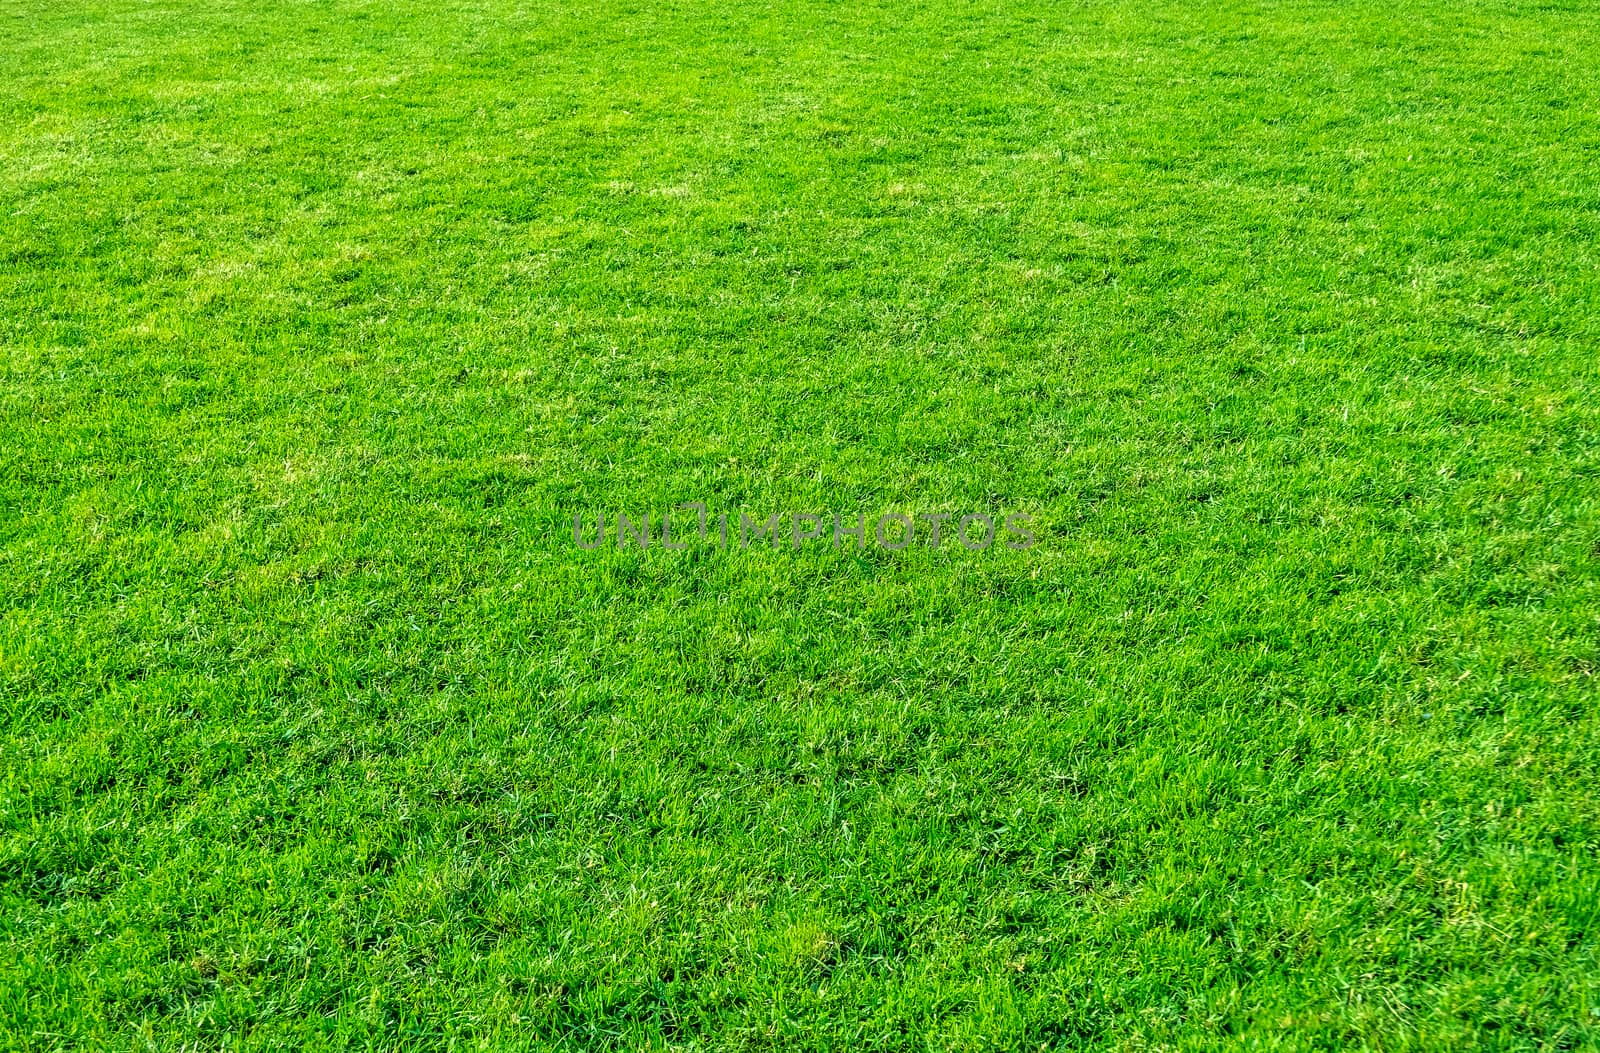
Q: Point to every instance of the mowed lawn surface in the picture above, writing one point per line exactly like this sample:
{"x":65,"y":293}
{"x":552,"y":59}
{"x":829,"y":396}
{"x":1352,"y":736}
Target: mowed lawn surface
{"x":319,"y":322}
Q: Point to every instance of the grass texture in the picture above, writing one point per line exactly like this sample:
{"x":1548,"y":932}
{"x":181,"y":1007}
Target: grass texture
{"x":319,"y":322}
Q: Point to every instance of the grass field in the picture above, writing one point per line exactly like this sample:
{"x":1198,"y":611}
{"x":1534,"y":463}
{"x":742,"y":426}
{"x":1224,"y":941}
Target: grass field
{"x":320,"y":322}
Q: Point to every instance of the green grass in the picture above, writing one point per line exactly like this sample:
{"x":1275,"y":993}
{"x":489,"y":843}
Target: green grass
{"x":320,"y":320}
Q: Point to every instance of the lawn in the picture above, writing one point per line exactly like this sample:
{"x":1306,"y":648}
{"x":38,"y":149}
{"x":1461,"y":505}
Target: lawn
{"x":1276,"y":322}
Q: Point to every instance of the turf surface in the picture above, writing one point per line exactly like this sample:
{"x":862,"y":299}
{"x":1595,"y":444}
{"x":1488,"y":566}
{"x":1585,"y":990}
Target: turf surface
{"x":320,"y":321}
